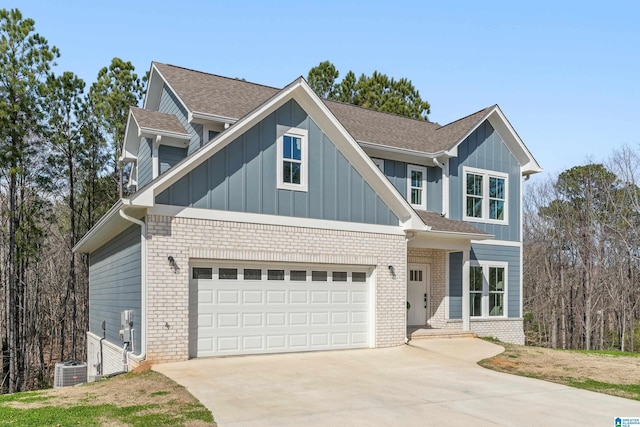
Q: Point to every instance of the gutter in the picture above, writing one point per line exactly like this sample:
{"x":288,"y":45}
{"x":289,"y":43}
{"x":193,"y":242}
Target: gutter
{"x":143,"y":285}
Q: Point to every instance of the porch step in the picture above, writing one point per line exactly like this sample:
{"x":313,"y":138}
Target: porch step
{"x":426,"y":333}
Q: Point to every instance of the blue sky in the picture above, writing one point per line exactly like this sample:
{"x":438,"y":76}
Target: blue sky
{"x":565,"y":73}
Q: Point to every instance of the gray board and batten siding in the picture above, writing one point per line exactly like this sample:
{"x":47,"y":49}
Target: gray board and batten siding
{"x":170,"y":104}
{"x":484,"y":149}
{"x":242,"y":177}
{"x":115,"y":285}
{"x":145,"y":162}
{"x":396,"y":172}
{"x":508,"y":254}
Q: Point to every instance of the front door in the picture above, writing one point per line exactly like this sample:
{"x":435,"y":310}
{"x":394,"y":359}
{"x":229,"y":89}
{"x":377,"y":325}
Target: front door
{"x":418,"y":295}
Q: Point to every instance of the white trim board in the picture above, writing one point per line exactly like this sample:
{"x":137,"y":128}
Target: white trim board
{"x":285,"y":221}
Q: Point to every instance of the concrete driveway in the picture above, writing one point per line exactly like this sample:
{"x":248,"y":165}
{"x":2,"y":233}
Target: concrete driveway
{"x":430,"y":382}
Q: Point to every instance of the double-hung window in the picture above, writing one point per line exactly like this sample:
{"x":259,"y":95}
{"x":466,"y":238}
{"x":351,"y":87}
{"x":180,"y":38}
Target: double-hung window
{"x":417,"y":186}
{"x":485,"y":196}
{"x":487,"y":289}
{"x":293,"y":160}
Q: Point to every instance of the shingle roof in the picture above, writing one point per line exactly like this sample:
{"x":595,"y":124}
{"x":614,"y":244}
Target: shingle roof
{"x":439,"y":223}
{"x":383,"y":128}
{"x":449,"y":134}
{"x":233,"y":98}
{"x":158,"y":121}
{"x":212,"y":94}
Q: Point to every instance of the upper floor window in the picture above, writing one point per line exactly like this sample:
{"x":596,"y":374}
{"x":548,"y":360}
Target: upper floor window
{"x":417,"y":186}
{"x":485,"y":196}
{"x":293,"y":160}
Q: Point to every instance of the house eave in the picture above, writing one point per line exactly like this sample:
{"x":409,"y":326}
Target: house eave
{"x":403,"y":151}
{"x":105,"y":229}
{"x":200,"y":117}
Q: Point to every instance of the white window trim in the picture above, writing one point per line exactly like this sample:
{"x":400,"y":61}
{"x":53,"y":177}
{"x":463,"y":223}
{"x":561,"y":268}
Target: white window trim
{"x":304,"y":176}
{"x":486,"y":174}
{"x":422,"y":169}
{"x":205,"y":132}
{"x":485,"y":287}
{"x":379,"y":163}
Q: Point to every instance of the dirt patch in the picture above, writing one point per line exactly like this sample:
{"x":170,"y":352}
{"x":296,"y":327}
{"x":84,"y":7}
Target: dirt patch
{"x":139,"y":388}
{"x":550,"y":363}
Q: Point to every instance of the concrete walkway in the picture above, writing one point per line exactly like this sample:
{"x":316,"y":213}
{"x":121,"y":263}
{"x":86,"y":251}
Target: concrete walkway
{"x":430,"y":382}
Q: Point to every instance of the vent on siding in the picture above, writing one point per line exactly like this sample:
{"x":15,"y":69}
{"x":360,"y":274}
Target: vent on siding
{"x":69,"y":373}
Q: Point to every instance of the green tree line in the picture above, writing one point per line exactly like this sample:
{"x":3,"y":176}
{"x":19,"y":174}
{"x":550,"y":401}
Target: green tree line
{"x":59,"y":173}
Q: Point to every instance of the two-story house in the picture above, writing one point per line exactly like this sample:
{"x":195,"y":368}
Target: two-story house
{"x":268,"y":220}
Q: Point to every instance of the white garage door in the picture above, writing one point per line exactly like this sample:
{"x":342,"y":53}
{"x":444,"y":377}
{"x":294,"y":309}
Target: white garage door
{"x":274,"y":309}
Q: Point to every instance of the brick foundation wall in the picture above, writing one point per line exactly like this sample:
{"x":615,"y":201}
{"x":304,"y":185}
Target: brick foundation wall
{"x":186,"y":238}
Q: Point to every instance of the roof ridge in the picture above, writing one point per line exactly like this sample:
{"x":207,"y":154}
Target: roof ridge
{"x":218,"y":75}
{"x":378,"y":111}
{"x":467,"y":116}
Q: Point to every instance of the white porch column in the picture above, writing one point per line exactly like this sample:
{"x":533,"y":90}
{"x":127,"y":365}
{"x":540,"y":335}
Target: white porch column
{"x":465,"y":289}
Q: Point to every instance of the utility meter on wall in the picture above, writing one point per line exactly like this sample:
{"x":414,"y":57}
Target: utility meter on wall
{"x":126,"y":325}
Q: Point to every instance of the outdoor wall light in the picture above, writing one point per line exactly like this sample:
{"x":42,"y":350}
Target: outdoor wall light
{"x":173,"y":264}
{"x":392,"y":270}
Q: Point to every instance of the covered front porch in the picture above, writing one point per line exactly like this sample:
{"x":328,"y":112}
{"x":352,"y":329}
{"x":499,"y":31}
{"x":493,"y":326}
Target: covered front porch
{"x":430,"y":311}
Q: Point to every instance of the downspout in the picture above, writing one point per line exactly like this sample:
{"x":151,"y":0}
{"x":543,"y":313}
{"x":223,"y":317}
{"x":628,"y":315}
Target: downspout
{"x":410,"y":236}
{"x":445,"y":185}
{"x":143,"y":285}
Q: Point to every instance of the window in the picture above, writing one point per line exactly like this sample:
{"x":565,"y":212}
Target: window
{"x":417,"y":186}
{"x":339,"y":276}
{"x":252,"y":274}
{"x":379,"y":163}
{"x":208,"y":133}
{"x":298,"y":275}
{"x":487,"y":287}
{"x":228,"y":273}
{"x":202,"y":273}
{"x":485,"y":196}
{"x":275,"y":274}
{"x":292,"y":160}
{"x":359,"y":276}
{"x":319,"y":276}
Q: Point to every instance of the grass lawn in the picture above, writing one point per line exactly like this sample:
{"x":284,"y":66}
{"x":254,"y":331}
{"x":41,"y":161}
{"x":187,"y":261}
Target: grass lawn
{"x":609,"y":372}
{"x":135,"y":399}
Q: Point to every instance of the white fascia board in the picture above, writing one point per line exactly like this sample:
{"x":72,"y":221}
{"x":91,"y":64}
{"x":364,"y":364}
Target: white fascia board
{"x":154,"y":89}
{"x":336,"y":132}
{"x":403,"y":151}
{"x":509,"y":243}
{"x":198,"y":117}
{"x":520,"y":151}
{"x":164,"y":80}
{"x":148,"y":132}
{"x":131,"y":140}
{"x":83,"y":246}
{"x":287,"y":221}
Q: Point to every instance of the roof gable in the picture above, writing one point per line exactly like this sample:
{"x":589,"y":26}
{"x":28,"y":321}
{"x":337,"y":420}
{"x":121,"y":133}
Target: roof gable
{"x":300,"y":91}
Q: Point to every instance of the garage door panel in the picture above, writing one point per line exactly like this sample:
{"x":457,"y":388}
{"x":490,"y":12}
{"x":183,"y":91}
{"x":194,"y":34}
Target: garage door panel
{"x":298,"y":319}
{"x":268,"y":316}
{"x":226,"y":296}
{"x":227,"y":320}
{"x":252,"y":297}
{"x":252,"y":320}
{"x":319,"y":297}
{"x":339,"y":297}
{"x":321,"y":318}
{"x":276,"y":319}
{"x":276,"y":297}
